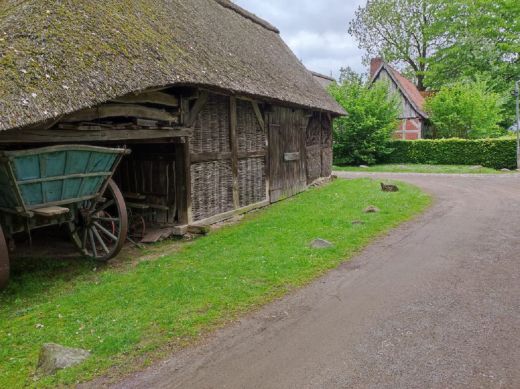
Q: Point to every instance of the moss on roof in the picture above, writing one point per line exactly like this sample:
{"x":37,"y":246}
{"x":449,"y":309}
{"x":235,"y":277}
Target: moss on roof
{"x":58,"y":56}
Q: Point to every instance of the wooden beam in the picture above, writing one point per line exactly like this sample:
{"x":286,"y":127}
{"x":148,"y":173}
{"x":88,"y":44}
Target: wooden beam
{"x":182,"y":184}
{"x":221,"y":156}
{"x":258,"y":114}
{"x":151,"y":98}
{"x":234,"y":149}
{"x":228,"y":215}
{"x":120,"y":110}
{"x":65,"y":136}
{"x":199,"y":104}
{"x":206,"y":157}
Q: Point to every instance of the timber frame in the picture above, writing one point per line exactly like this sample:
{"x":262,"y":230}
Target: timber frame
{"x":199,"y":156}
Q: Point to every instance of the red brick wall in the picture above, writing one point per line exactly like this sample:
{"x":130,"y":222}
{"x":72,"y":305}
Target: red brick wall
{"x":412,"y":129}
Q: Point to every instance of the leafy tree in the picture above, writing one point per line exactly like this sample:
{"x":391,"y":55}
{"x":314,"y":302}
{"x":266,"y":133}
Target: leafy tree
{"x":399,"y":31}
{"x":363,"y":136}
{"x":482,"y":37}
{"x":466,"y":110}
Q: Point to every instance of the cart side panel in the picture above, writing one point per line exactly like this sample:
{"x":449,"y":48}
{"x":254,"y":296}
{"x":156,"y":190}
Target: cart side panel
{"x":51,"y":176}
{"x":8,"y":197}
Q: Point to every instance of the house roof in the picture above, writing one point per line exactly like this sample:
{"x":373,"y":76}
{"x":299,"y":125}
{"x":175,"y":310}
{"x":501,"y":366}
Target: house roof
{"x":57,"y":57}
{"x":407,"y":88}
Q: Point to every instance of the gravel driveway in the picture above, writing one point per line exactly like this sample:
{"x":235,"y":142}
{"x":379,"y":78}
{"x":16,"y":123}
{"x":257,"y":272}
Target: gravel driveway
{"x":434,"y":304}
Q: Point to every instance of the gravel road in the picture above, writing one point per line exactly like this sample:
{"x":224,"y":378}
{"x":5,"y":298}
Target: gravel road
{"x":434,"y":304}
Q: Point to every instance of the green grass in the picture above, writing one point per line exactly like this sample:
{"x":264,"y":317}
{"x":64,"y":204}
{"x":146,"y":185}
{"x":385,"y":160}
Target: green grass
{"x":135,"y":312}
{"x":418,"y":168}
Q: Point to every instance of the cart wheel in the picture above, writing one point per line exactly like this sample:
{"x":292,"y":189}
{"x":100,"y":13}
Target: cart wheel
{"x":100,"y":227}
{"x":4,"y":261}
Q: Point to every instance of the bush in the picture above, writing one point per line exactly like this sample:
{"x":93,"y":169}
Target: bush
{"x":363,"y":136}
{"x":466,"y":110}
{"x":492,"y":153}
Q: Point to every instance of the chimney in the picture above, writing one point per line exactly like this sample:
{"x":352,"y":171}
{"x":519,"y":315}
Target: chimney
{"x":375,"y":64}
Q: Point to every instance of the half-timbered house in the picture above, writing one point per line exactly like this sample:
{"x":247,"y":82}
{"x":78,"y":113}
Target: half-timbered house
{"x":412,"y":117}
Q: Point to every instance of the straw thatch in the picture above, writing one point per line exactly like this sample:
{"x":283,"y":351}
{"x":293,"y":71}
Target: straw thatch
{"x":59,"y":56}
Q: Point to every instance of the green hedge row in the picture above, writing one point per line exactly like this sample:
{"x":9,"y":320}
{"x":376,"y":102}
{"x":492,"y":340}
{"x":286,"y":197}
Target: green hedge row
{"x":493,"y":153}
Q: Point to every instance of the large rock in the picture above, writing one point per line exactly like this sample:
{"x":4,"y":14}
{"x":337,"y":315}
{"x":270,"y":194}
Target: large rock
{"x":54,"y":357}
{"x":321,"y":244}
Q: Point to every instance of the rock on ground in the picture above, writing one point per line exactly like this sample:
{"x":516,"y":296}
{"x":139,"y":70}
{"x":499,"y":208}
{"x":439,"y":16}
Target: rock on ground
{"x":321,"y":244}
{"x":54,"y":357}
{"x":371,"y":209}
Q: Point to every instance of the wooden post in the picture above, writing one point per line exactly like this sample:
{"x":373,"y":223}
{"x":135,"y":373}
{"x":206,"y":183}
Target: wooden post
{"x":234,"y":149}
{"x":183,"y":182}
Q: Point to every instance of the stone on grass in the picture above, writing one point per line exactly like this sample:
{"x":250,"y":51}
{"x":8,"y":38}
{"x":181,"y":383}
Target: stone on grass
{"x":505,"y":170}
{"x":476,"y":167}
{"x":363,"y":166}
{"x":371,"y":209}
{"x":321,"y":244}
{"x":389,"y":187}
{"x":358,"y":222}
{"x":54,"y":357}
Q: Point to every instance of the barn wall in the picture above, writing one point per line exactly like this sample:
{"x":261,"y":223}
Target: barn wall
{"x":319,"y":147}
{"x":228,"y":158}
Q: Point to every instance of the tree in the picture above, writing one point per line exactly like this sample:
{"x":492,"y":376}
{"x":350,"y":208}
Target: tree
{"x":481,"y":37}
{"x":362,"y":137}
{"x":466,"y":109}
{"x":398,"y":31}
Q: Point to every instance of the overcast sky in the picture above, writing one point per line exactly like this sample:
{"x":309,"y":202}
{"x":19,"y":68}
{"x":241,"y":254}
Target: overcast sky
{"x":316,"y":30}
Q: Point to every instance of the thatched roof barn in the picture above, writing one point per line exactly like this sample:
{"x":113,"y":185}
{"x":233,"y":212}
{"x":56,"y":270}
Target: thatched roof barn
{"x":220,"y":114}
{"x":60,"y":56}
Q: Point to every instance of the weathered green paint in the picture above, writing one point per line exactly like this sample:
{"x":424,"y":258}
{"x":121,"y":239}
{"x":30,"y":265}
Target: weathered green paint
{"x":58,"y":174}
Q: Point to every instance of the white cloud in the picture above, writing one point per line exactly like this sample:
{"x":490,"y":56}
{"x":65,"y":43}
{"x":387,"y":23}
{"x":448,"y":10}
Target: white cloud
{"x":315,"y":30}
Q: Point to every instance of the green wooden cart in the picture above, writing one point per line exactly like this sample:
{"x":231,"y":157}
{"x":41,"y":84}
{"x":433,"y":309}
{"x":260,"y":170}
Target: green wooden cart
{"x":68,"y":184}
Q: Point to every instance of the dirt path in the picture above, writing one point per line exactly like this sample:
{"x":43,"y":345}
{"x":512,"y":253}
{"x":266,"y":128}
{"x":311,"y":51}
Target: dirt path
{"x":436,"y":303}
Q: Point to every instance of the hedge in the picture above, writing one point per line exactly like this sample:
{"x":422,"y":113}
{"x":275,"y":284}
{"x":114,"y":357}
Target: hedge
{"x":492,"y":153}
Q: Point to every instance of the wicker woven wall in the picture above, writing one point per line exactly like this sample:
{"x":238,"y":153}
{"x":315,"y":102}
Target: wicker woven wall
{"x":251,"y":181}
{"x":212,"y":176}
{"x":211,"y":129}
{"x":251,"y":138}
{"x":212,"y":188}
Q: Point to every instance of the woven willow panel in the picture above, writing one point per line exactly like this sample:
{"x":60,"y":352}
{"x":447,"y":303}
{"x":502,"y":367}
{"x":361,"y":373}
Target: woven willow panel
{"x":211,"y":129}
{"x":212,"y":188}
{"x":251,"y":181}
{"x":250,"y":135}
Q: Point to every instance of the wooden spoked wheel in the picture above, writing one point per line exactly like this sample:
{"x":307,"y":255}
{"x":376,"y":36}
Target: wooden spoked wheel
{"x":100,"y":228}
{"x":4,"y":261}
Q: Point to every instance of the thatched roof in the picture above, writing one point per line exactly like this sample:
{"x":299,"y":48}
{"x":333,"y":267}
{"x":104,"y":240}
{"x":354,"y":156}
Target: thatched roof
{"x":59,"y":56}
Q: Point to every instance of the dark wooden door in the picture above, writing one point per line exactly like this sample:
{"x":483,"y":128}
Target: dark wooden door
{"x":287,"y":170}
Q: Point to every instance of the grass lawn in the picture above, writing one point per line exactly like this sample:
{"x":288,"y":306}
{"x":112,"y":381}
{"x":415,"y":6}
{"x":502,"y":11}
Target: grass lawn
{"x":133,"y":313}
{"x":418,"y":168}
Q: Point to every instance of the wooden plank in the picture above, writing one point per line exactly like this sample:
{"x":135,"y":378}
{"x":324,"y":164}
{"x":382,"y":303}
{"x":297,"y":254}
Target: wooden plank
{"x":51,"y":211}
{"x":228,"y":215}
{"x":206,"y":157}
{"x":258,"y":114}
{"x":222,"y":156}
{"x":65,"y":136}
{"x":183,"y":183}
{"x":157,"y":235}
{"x":120,"y":110}
{"x":150,"y":97}
{"x":234,"y":149}
{"x":287,"y":157}
{"x":199,"y":104}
